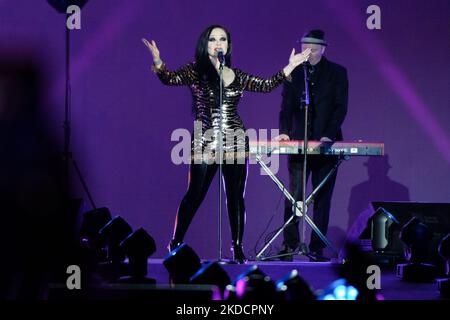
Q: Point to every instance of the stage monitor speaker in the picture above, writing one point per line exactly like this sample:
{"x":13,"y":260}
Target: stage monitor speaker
{"x":435,"y":215}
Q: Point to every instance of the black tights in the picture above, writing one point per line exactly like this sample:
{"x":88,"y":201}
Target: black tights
{"x":200,"y":177}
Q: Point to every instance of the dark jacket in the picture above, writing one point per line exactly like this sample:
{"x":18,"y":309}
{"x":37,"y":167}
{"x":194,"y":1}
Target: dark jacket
{"x":328,"y":107}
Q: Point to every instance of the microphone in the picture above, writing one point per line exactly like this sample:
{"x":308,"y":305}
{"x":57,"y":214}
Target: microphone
{"x":306,"y":63}
{"x":307,"y":66}
{"x":221,"y":57}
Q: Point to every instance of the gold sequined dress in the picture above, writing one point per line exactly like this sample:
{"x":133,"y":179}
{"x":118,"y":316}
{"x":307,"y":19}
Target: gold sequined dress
{"x":206,"y":106}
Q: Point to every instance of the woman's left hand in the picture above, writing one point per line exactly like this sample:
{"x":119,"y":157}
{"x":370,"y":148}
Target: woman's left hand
{"x":299,"y":58}
{"x":295,"y":60}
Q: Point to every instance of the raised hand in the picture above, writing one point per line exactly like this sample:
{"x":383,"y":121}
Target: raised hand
{"x":154,"y":50}
{"x":295,"y":60}
{"x":299,"y":58}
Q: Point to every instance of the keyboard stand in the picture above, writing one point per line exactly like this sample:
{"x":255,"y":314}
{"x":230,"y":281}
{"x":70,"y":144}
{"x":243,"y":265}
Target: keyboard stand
{"x":298,"y":208}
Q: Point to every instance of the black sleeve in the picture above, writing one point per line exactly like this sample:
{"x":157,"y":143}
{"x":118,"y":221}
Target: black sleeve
{"x":286,"y":112}
{"x":340,"y":104}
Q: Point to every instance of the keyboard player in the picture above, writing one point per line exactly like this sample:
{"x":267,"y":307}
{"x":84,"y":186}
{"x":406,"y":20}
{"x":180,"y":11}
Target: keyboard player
{"x":328,"y":88}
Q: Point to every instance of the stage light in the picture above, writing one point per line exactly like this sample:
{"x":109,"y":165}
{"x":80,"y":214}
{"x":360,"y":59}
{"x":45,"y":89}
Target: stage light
{"x":182,"y":263}
{"x":256,"y":288}
{"x":292,"y":287}
{"x":382,"y":225}
{"x":339,"y":290}
{"x":138,"y":246}
{"x":417,"y":238}
{"x":93,"y":221}
{"x":352,"y":293}
{"x":230,"y":290}
{"x":444,"y":252}
{"x":113,"y":233}
{"x":211,"y":273}
{"x":254,"y":269}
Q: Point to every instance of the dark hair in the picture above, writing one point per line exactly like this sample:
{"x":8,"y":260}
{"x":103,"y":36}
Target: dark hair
{"x":204,"y":66}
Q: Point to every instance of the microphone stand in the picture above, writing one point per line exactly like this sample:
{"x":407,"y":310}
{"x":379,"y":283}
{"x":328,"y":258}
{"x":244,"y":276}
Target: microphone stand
{"x":303,"y":249}
{"x":220,"y":260}
{"x":67,"y":154}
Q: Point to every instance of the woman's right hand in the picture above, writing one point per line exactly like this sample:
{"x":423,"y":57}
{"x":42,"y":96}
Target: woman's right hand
{"x":282,"y":137}
{"x":154,"y":50}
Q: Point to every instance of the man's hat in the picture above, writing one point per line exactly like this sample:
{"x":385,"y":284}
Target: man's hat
{"x":315,"y":37}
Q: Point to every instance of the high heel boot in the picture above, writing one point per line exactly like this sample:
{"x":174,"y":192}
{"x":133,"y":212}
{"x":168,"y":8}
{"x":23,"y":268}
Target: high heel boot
{"x":238,"y":254}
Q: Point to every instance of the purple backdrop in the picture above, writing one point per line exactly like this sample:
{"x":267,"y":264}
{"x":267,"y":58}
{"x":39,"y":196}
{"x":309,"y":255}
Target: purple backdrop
{"x":123,"y":117}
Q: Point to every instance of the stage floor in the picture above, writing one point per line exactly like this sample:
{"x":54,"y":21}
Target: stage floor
{"x":318,"y":275}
